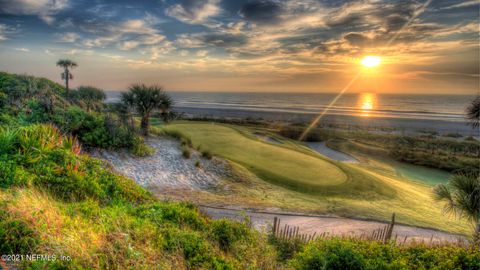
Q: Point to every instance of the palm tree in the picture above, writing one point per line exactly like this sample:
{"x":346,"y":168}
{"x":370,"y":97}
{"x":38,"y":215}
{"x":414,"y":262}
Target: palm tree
{"x":66,"y":75}
{"x":462,"y":197}
{"x":165,"y":107}
{"x":146,"y":99}
{"x":473,"y":112}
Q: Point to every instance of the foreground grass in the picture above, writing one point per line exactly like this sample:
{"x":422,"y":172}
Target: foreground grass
{"x":58,"y":202}
{"x":368,"y":193}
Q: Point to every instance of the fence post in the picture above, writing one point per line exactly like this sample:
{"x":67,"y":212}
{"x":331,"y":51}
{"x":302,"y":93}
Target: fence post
{"x":275,"y":226}
{"x":390,"y":229}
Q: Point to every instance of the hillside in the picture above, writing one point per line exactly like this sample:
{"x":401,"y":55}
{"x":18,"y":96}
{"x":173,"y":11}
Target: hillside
{"x":58,"y":202}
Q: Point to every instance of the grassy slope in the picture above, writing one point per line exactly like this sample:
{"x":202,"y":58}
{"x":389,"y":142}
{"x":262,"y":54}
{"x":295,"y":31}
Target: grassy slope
{"x":367,"y":193}
{"x":57,"y":201}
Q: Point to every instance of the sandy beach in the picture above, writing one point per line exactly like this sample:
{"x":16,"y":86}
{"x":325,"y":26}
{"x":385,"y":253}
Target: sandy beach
{"x":396,"y":125}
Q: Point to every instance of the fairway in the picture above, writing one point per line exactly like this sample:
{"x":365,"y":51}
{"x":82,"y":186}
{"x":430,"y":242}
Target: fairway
{"x":280,"y":164}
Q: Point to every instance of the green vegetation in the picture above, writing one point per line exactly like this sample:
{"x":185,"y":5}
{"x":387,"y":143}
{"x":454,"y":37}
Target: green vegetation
{"x":28,"y":100}
{"x":55,"y":200}
{"x":473,"y":112}
{"x":145,"y":100}
{"x":89,"y":97}
{"x":462,"y":197}
{"x":354,"y":254}
{"x":66,"y":203}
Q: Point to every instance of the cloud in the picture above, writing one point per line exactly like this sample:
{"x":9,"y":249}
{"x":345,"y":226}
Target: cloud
{"x":6,"y":31}
{"x":22,"y":49}
{"x":262,"y":11}
{"x":216,"y":39}
{"x":69,"y":37}
{"x":44,"y":9}
{"x":202,"y":53}
{"x":127,"y":35}
{"x":194,"y":11}
{"x":463,"y":4}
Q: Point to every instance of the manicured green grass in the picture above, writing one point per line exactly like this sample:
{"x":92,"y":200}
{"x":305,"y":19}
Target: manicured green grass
{"x":281,"y":163}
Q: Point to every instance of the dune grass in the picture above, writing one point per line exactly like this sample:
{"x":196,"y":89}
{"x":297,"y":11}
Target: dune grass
{"x":371,"y":191}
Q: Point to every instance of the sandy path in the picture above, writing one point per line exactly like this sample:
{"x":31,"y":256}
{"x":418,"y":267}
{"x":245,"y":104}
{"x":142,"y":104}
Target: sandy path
{"x":330,"y":225}
{"x":323,"y":149}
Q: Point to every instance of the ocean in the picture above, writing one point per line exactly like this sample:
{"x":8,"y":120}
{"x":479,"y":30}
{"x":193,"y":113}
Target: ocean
{"x":401,"y":106}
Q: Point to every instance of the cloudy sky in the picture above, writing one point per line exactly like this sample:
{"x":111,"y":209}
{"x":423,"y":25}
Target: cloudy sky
{"x":254,"y":45}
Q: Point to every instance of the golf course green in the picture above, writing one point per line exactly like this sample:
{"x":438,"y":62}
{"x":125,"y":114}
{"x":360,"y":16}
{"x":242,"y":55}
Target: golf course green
{"x":286,"y":174}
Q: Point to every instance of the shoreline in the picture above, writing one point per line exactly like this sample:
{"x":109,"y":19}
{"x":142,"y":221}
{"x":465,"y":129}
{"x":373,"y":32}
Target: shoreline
{"x":397,"y":125}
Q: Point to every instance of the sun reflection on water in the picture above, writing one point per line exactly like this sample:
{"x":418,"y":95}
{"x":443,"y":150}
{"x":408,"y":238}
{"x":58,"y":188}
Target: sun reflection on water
{"x":367,"y":102}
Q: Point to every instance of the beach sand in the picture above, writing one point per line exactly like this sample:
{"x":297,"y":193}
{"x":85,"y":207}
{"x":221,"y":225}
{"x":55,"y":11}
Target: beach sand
{"x":380,"y":124}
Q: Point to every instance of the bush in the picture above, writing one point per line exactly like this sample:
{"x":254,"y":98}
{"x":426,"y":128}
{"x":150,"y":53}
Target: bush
{"x":53,"y":162}
{"x":287,"y":248}
{"x":179,"y":214}
{"x":186,"y":153}
{"x":357,"y":254}
{"x":227,"y":233}
{"x":207,"y":154}
{"x":15,"y":236}
{"x":95,"y":130}
{"x":196,"y":250}
{"x":140,"y":149}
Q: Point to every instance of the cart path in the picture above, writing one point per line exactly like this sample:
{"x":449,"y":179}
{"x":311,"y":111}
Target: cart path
{"x":310,"y":224}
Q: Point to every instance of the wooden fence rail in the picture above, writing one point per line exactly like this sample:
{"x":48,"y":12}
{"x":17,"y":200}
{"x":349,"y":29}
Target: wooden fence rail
{"x":287,"y":232}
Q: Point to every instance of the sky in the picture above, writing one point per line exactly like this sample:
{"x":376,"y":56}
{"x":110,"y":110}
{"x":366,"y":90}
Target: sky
{"x":247,"y":45}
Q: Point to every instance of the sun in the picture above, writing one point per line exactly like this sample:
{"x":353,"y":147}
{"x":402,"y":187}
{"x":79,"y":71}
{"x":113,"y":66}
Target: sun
{"x":370,"y":61}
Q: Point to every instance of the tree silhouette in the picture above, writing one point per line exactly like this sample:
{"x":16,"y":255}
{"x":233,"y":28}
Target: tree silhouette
{"x":66,"y":75}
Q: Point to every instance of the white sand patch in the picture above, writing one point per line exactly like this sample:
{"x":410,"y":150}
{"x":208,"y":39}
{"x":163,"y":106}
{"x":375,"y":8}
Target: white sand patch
{"x":166,"y":167}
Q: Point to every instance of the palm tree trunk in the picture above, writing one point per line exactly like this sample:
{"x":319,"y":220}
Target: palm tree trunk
{"x":67,"y":75}
{"x":144,"y":124}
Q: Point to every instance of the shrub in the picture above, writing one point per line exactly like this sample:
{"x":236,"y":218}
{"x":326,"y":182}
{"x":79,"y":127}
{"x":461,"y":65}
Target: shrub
{"x":15,"y":236}
{"x":207,"y":154}
{"x":357,"y":254}
{"x":333,"y":254}
{"x":195,"y":249}
{"x":95,"y":130}
{"x":287,"y":248}
{"x":140,"y":149}
{"x":186,"y":153}
{"x":198,"y":164}
{"x":11,"y":174}
{"x":227,"y":232}
{"x":179,"y":214}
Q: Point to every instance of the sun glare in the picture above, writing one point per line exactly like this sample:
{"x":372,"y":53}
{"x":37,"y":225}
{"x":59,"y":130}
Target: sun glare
{"x":367,"y":103}
{"x":370,"y":61}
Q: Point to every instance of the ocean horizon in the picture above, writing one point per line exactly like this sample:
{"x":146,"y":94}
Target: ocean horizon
{"x":403,"y":106}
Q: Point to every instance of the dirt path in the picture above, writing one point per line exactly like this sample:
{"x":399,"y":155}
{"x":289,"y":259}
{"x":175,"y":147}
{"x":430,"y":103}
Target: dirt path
{"x":330,"y":225}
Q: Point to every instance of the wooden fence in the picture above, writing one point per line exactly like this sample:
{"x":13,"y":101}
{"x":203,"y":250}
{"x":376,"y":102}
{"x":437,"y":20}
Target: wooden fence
{"x":382,"y":234}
